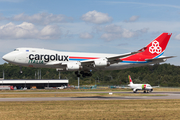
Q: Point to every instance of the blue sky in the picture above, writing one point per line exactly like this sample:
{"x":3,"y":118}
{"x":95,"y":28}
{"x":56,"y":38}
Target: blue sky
{"x":98,"y":26}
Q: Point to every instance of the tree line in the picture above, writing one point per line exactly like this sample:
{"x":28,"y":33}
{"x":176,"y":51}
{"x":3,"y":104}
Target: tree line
{"x":165,"y":75}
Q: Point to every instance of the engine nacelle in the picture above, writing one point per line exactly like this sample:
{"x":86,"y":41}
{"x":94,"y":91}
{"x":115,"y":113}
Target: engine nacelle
{"x":101,"y":63}
{"x":73,"y":66}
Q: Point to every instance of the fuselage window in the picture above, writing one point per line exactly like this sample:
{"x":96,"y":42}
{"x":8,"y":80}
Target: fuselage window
{"x":16,"y":49}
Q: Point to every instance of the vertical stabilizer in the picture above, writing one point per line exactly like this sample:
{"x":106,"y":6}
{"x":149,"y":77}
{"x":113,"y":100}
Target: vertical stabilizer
{"x":130,"y":80}
{"x":158,"y":45}
{"x":153,"y":50}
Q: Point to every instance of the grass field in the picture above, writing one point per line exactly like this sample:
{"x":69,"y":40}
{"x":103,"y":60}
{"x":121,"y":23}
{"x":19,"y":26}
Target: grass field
{"x":166,"y":89}
{"x":106,"y":109}
{"x":92,"y":109}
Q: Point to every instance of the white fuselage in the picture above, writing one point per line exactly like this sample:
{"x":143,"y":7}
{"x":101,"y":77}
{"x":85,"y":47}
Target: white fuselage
{"x":136,"y":87}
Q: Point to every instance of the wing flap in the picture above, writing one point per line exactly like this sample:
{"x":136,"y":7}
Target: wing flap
{"x":54,"y":63}
{"x":87,"y":62}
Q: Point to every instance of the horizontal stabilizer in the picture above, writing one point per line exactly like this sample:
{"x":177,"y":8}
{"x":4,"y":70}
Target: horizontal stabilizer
{"x":160,"y":58}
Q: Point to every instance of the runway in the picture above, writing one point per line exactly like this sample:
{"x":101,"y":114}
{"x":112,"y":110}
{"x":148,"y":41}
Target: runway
{"x":160,"y":95}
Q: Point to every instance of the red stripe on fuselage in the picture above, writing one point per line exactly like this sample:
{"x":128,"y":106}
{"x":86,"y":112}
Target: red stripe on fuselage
{"x":83,"y":57}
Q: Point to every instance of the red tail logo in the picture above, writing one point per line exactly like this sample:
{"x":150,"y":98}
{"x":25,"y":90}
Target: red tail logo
{"x":155,"y":48}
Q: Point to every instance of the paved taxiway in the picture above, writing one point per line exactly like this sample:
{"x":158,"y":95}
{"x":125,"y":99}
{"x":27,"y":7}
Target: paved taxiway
{"x":164,"y":95}
{"x":120,"y":92}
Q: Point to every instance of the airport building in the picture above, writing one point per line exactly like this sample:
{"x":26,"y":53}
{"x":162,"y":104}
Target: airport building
{"x":38,"y":83}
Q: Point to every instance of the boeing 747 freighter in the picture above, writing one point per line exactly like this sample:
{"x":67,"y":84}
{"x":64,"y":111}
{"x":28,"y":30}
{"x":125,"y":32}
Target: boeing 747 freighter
{"x":84,"y":63}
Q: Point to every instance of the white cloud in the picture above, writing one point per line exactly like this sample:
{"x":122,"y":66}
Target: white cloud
{"x":50,"y":32}
{"x":110,"y":36}
{"x":132,"y":19}
{"x":28,"y":31}
{"x":2,"y":17}
{"x":154,"y":26}
{"x":113,"y":28}
{"x":144,"y":30}
{"x":42,"y":18}
{"x":177,"y":37}
{"x":96,"y":17}
{"x":86,"y":36}
{"x":112,"y":32}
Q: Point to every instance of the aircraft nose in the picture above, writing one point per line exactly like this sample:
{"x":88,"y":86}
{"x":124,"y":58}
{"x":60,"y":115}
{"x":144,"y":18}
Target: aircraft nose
{"x":7,"y":57}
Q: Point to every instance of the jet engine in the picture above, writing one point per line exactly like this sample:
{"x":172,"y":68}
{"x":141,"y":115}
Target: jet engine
{"x":101,"y":63}
{"x":73,"y":66}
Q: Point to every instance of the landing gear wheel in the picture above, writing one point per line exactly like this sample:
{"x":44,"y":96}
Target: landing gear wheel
{"x":134,"y":91}
{"x":82,"y":72}
{"x":83,"y":75}
{"x":90,"y":74}
{"x":77,"y":74}
{"x":86,"y":73}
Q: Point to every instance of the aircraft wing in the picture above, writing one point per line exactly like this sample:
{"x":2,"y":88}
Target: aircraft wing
{"x":114,"y":59}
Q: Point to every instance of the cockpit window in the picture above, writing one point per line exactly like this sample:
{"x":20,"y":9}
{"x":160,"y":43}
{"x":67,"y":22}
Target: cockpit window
{"x":16,"y":49}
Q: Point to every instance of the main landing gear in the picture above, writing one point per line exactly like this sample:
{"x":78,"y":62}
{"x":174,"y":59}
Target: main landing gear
{"x":20,"y":69}
{"x":148,"y":91}
{"x":84,"y":74}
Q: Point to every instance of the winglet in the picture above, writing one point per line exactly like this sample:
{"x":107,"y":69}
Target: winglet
{"x":142,"y":50}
